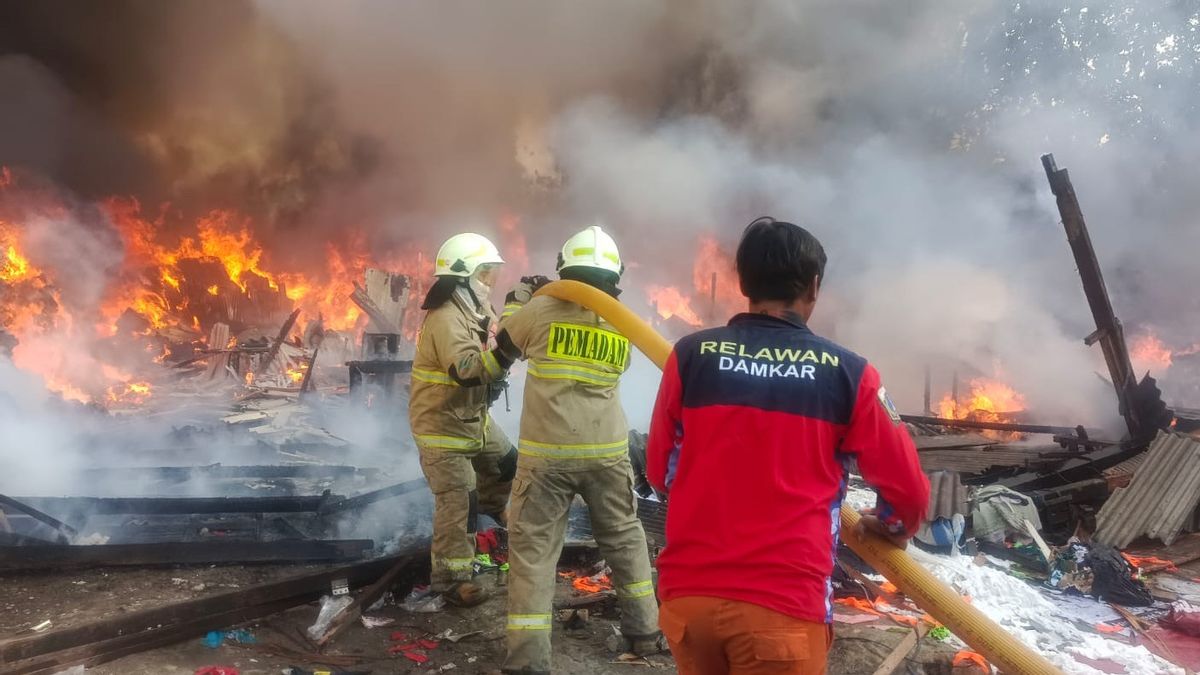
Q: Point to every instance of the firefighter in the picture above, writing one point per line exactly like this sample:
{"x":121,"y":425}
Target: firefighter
{"x":467,"y":460}
{"x":574,"y":441}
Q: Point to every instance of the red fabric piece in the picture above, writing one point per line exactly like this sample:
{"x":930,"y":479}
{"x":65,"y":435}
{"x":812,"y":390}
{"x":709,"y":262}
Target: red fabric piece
{"x":487,"y":541}
{"x":428,"y":644}
{"x":416,"y":657}
{"x":755,"y":488}
{"x":217,"y":670}
{"x":1181,"y":649}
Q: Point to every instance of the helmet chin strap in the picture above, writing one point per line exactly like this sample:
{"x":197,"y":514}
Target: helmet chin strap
{"x":476,"y":288}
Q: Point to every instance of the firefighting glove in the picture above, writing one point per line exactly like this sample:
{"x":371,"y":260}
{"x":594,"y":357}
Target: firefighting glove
{"x":508,"y":465}
{"x":523,"y":291}
{"x":496,"y":388}
{"x":536,"y":281}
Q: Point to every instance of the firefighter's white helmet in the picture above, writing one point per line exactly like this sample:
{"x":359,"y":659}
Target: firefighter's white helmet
{"x":463,"y":253}
{"x":591,"y":248}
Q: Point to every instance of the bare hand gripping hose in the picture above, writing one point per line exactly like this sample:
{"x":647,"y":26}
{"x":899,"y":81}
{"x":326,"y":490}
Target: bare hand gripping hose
{"x":968,"y":623}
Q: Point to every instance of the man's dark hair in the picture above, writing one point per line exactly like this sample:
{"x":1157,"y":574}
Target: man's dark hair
{"x":778,"y":260}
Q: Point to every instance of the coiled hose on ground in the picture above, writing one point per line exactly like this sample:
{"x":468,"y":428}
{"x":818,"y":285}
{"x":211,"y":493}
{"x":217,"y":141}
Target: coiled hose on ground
{"x":983,"y":635}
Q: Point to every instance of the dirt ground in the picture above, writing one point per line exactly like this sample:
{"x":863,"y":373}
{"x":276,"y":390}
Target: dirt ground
{"x":71,"y":599}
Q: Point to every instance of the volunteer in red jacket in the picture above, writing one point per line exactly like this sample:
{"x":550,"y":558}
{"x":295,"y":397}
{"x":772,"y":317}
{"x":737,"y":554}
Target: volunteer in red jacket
{"x":753,"y":429}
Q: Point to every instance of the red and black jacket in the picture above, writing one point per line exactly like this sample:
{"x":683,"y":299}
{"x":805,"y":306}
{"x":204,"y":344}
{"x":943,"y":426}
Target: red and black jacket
{"x":753,"y":428}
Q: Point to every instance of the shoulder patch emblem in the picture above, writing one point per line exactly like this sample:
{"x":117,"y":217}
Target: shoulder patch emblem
{"x":886,"y":402}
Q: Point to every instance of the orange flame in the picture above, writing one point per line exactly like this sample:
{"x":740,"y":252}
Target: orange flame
{"x":130,"y":393}
{"x":988,"y":400}
{"x":1148,"y":353}
{"x":713,"y":265}
{"x":14,"y":266}
{"x":670,"y":302}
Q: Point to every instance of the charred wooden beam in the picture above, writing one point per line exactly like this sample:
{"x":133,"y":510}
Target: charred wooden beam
{"x":121,"y":635}
{"x":989,"y":426}
{"x":274,"y":351}
{"x":384,"y":323}
{"x":95,"y":653}
{"x":312,"y":366}
{"x":65,"y":531}
{"x":108,"y":506}
{"x":220,"y":471}
{"x":1082,"y":468}
{"x":1139,"y":416}
{"x":368,"y":498}
{"x":34,"y":556}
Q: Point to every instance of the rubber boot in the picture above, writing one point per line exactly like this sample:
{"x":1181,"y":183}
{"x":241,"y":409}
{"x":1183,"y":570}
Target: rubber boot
{"x":465,"y":594}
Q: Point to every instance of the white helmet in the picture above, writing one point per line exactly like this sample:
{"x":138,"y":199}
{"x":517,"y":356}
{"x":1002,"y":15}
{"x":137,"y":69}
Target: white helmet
{"x":463,"y":253}
{"x":591,"y":248}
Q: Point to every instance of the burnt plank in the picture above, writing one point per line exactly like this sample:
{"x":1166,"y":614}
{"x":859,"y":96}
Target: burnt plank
{"x":96,"y":653}
{"x":988,"y":426}
{"x":34,"y":556}
{"x":108,"y":506}
{"x":21,"y":506}
{"x":182,"y":473}
{"x":297,"y":590}
{"x":368,"y":498}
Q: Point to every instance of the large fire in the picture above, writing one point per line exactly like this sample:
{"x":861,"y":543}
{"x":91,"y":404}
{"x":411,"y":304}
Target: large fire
{"x":987,"y":401}
{"x":174,"y":282}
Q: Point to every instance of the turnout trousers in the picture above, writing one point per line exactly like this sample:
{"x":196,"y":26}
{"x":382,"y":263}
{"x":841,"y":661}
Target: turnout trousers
{"x":537,"y":527}
{"x":464,"y":483}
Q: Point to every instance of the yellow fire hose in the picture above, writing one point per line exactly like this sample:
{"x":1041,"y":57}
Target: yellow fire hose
{"x":968,"y":623}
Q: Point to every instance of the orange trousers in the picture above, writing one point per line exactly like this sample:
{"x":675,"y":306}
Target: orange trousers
{"x":714,"y":636}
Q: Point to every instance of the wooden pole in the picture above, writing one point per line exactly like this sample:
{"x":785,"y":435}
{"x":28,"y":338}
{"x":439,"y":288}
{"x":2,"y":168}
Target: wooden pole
{"x":928,"y":392}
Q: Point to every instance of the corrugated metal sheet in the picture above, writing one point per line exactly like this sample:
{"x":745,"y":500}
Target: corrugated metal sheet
{"x":1161,"y":497}
{"x":947,"y":495}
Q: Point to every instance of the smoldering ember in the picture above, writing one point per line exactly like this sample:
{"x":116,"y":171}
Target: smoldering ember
{"x":219,"y":223}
